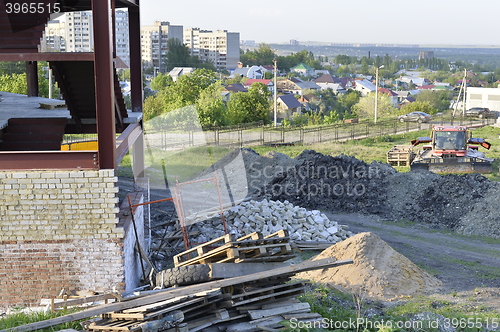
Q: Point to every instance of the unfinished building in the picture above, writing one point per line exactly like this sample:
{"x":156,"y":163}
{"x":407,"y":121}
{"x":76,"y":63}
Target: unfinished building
{"x":60,"y":220}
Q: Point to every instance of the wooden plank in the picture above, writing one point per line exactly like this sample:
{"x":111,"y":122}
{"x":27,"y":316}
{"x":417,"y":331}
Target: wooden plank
{"x":170,"y":293}
{"x":230,"y":270}
{"x":257,"y":314}
{"x":267,"y":289}
{"x":294,"y":291}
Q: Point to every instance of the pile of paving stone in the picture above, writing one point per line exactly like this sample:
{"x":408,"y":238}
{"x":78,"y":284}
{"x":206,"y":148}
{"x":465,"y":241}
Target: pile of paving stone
{"x":268,"y":216}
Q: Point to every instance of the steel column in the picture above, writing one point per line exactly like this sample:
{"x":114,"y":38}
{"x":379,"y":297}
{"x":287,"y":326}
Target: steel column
{"x":32,"y":78}
{"x":135,"y":59}
{"x":104,"y":85}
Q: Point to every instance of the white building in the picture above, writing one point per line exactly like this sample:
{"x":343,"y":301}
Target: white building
{"x":122,"y":36}
{"x":483,"y":97}
{"x":54,"y":37}
{"x":154,"y":40}
{"x":73,"y":32}
{"x":79,"y":32}
{"x":221,"y":48}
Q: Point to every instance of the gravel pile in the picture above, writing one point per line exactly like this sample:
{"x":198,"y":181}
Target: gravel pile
{"x":465,"y":203}
{"x":268,"y":217}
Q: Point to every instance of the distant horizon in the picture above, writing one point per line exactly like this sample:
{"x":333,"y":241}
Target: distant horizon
{"x":426,"y":23}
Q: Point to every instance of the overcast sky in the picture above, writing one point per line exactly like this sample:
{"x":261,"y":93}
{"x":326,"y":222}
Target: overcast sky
{"x":424,"y":22}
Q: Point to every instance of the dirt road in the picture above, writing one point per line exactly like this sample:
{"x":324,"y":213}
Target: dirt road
{"x":469,"y":267}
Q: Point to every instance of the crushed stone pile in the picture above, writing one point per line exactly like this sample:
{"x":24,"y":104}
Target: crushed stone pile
{"x":268,"y":217}
{"x":378,"y":271}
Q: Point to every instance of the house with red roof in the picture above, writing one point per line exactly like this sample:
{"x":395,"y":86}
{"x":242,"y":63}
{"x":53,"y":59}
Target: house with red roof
{"x":268,"y":83}
{"x":393,"y":96}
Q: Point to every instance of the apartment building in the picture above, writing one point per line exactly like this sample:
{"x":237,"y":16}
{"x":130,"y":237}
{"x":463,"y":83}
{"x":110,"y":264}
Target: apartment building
{"x":54,"y":37}
{"x":122,"y":36}
{"x":154,"y":40}
{"x":73,"y":32}
{"x":221,"y":48}
{"x":79,"y":32}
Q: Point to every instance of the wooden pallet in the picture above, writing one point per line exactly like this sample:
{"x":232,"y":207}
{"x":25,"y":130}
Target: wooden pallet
{"x":274,"y":293}
{"x":400,"y":155}
{"x":250,"y":248}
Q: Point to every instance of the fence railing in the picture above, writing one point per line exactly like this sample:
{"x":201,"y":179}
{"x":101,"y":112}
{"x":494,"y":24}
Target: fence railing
{"x":260,"y":134}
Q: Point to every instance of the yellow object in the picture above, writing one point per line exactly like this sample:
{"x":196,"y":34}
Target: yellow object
{"x":79,"y":146}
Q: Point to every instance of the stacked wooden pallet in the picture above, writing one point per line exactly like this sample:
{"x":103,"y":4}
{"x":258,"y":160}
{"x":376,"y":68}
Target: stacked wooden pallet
{"x":252,"y":248}
{"x":242,"y":307}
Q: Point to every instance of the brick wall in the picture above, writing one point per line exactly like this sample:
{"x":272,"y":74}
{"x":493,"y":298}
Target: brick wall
{"x":59,"y":229}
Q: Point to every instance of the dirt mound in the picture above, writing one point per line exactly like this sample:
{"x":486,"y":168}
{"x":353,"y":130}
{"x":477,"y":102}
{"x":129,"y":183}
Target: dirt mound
{"x":340,"y":183}
{"x":378,"y":270}
{"x":465,"y":203}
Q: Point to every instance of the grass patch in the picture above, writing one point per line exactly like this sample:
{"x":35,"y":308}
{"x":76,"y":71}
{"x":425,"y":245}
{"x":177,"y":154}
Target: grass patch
{"x":366,"y":149}
{"x":21,"y":318}
{"x":337,"y":307}
{"x":181,"y":165}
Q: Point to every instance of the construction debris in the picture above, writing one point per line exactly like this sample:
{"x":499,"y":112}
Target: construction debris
{"x":223,"y":301}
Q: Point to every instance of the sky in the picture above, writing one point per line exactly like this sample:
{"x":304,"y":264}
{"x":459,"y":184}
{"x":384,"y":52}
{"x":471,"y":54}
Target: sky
{"x":423,"y":22}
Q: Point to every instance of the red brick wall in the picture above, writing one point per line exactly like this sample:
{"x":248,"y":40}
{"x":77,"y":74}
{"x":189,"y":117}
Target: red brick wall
{"x":32,"y":270}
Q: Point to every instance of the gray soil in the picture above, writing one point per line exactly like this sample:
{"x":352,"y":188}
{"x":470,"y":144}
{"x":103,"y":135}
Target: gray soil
{"x":443,"y":224}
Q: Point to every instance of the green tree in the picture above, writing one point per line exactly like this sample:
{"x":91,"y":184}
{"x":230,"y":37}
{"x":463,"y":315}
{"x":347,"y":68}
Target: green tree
{"x":210,"y":106}
{"x":15,"y":83}
{"x":177,"y":54}
{"x":161,"y":82}
{"x":251,"y":106}
{"x":183,"y":92}
{"x":263,"y":55}
{"x":347,"y":101}
{"x":365,"y":108}
{"x":418,"y":106}
{"x":439,"y":100}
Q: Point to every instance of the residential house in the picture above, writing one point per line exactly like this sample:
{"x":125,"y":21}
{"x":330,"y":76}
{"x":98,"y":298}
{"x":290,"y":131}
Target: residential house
{"x":296,"y":86}
{"x":232,"y":88}
{"x":254,"y":72}
{"x":288,"y":105}
{"x":364,"y":86}
{"x":417,"y":81}
{"x":268,"y":83}
{"x":309,"y":102}
{"x":393,"y":96}
{"x":303,"y":69}
{"x":327,"y":81}
{"x":179,"y":71}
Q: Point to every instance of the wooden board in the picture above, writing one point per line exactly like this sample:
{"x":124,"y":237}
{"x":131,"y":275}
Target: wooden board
{"x":163,"y":295}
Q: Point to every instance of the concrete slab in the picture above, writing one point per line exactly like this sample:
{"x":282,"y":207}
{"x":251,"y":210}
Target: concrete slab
{"x":20,"y":106}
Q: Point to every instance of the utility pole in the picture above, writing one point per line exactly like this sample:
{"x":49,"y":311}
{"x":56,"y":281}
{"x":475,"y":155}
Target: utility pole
{"x":275,"y":93}
{"x":376,"y":92}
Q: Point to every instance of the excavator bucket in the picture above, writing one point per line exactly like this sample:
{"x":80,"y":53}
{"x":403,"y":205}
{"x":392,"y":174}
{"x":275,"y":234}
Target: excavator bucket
{"x":453,"y":165}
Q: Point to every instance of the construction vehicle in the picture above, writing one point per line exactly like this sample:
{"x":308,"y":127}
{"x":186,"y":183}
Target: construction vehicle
{"x":452,"y":149}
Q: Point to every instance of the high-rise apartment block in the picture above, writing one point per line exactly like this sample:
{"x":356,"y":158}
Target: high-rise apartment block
{"x":73,"y":32}
{"x":154,"y":40}
{"x":221,"y":48}
{"x":79,"y":32}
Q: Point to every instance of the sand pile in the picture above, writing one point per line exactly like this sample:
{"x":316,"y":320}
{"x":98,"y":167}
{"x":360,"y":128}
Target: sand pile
{"x":378,"y":270}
